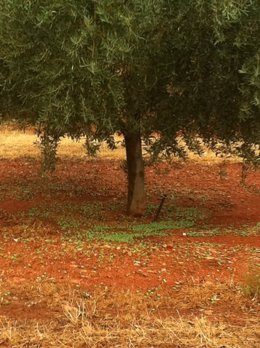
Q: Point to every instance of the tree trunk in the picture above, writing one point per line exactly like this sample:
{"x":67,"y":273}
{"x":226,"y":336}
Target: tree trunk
{"x":135,"y":171}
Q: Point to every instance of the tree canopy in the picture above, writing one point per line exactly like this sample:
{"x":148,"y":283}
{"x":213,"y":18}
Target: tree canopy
{"x":136,"y":67}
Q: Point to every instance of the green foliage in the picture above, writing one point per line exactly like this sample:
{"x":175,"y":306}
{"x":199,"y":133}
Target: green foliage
{"x":138,"y":68}
{"x":189,"y":214}
{"x":243,"y":231}
{"x":128,"y":235}
{"x":113,"y":237}
{"x":68,"y":224}
{"x":92,"y":210}
{"x":73,"y":78}
{"x":207,"y":233}
{"x":161,"y":226}
{"x":210,"y":95}
{"x":133,"y":232}
{"x":120,"y":66}
{"x":170,"y":211}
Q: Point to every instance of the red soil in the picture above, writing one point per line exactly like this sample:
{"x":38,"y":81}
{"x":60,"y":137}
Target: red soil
{"x":116,"y":265}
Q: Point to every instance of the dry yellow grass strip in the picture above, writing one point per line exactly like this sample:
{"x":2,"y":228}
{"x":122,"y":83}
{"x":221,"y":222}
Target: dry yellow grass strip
{"x":16,"y":143}
{"x":128,"y":319}
{"x":149,"y":332}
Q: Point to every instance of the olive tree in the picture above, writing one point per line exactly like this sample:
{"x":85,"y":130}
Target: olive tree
{"x":138,"y":68}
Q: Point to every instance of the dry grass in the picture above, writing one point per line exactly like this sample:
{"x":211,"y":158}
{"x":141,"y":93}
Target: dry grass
{"x":104,"y":318}
{"x":251,"y":283}
{"x":169,"y":332}
{"x":16,"y":143}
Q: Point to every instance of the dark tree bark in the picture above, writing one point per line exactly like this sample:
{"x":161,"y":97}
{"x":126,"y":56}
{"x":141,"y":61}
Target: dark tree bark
{"x":135,"y":172}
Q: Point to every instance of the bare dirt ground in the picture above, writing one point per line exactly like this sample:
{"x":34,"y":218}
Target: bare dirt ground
{"x":75,"y":271}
